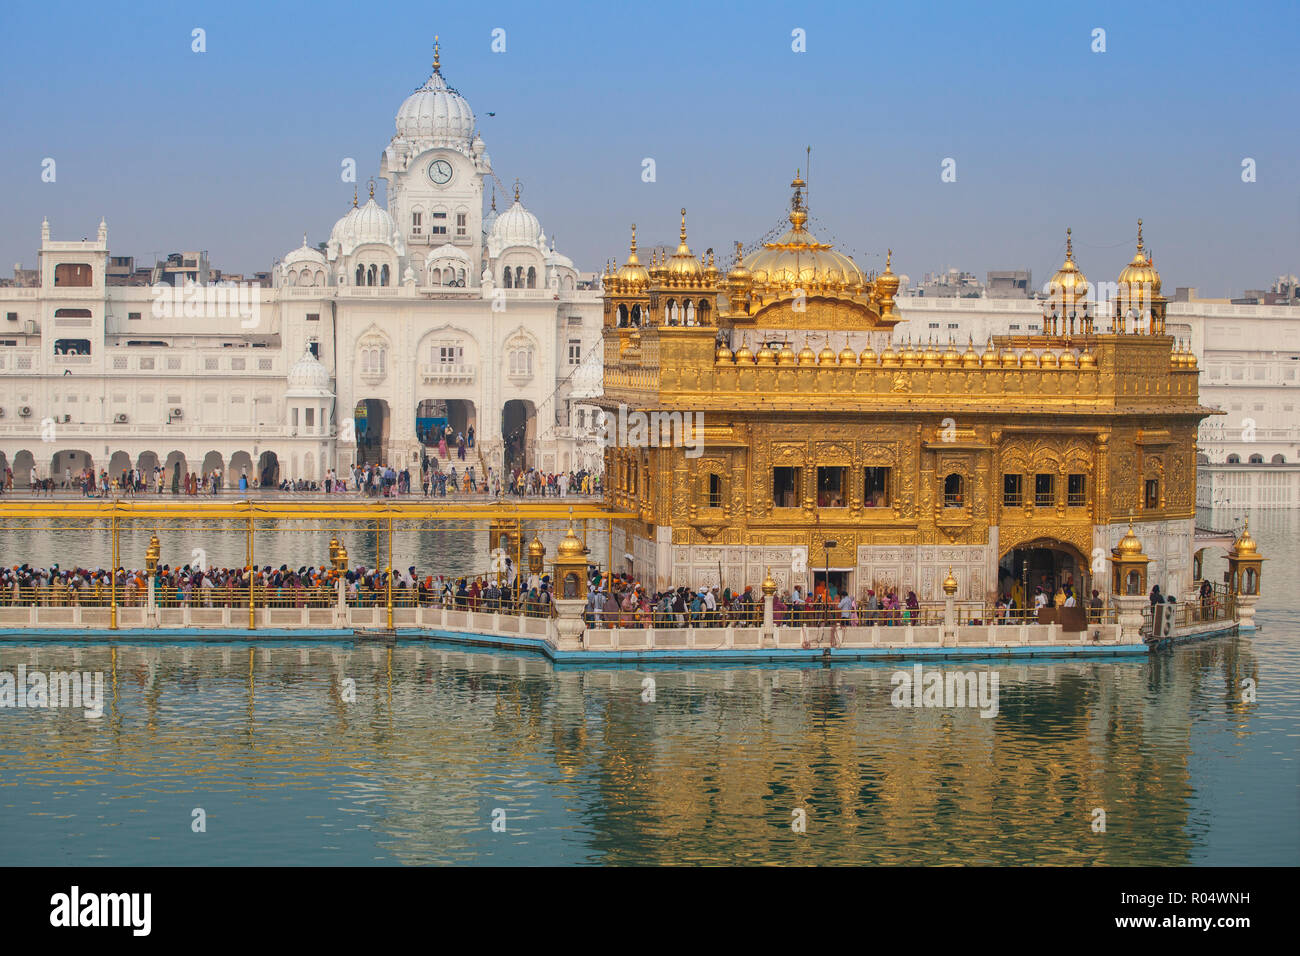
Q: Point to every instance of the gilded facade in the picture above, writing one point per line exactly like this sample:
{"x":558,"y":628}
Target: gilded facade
{"x":815,"y":442}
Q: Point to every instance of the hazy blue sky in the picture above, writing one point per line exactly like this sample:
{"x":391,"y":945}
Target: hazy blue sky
{"x":237,"y":150}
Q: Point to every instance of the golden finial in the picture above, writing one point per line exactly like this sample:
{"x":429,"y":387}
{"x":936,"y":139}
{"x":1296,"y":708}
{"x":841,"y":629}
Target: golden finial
{"x":683,"y":225}
{"x":437,"y":61}
{"x":372,"y":188}
{"x":710,"y":257}
{"x":494,"y":199}
{"x":889,"y":258}
{"x":633,"y":240}
{"x":516,"y":189}
{"x":354,"y":197}
{"x":1139,"y":235}
{"x":1069,"y":243}
{"x":739,"y":253}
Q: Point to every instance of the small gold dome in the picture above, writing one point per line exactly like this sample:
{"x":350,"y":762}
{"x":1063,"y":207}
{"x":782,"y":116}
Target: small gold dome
{"x":950,"y":584}
{"x":969,"y":359}
{"x":1129,"y":545}
{"x":1087,"y":360}
{"x":847,"y":355}
{"x":1245,"y":545}
{"x":765,"y":355}
{"x":1048,"y":359}
{"x":911,"y":357}
{"x":738,"y":275}
{"x":1068,"y":360}
{"x":535,"y":547}
{"x":1010,"y":359}
{"x":951,"y":357}
{"x":826,"y":356}
{"x":1069,"y":286}
{"x":868,"y":356}
{"x":570,"y":547}
{"x":683,"y":266}
{"x":768,"y":585}
{"x":1028,"y":359}
{"x":723,"y":354}
{"x":889,"y":358}
{"x":1139,"y":275}
{"x":807,"y":356}
{"x":743,"y":354}
{"x":632,"y":272}
{"x":886,"y":284}
{"x":990,"y":357}
{"x":931,"y":358}
{"x":786,"y":355}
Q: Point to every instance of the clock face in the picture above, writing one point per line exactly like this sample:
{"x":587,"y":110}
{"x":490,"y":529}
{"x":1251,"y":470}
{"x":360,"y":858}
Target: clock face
{"x":440,"y":172}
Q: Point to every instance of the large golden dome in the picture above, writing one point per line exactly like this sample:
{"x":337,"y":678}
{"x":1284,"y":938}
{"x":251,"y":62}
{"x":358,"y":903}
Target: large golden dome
{"x":1140,"y":272}
{"x":1069,"y":283}
{"x":798,"y":261}
{"x":571,"y":546}
{"x":1129,"y":545}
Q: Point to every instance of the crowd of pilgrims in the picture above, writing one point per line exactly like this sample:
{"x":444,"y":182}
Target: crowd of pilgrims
{"x":273,"y":587}
{"x":365,"y":480}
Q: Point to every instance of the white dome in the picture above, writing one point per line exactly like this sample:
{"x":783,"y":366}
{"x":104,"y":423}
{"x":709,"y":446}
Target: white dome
{"x":304,"y":254}
{"x":373,"y":224}
{"x":559,"y":259}
{"x":343,"y":227}
{"x":516,"y":227}
{"x":308,"y":376}
{"x":436,"y":113}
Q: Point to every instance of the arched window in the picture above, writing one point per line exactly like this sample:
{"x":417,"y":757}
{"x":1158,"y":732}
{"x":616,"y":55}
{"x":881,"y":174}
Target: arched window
{"x":636,"y":316}
{"x":291,"y":278}
{"x":953,"y":491}
{"x":507,"y":279}
{"x":304,"y":277}
{"x":1257,"y":459}
{"x":460,"y":278}
{"x":670,"y":310}
{"x":690,"y":312}
{"x":1279,"y":459}
{"x":361,"y":275}
{"x":370,"y":275}
{"x":521,"y":362}
{"x":702,"y":312}
{"x":519,"y":277}
{"x":383,"y":275}
{"x":622,"y":316}
{"x":532,"y":277}
{"x":1234,"y":459}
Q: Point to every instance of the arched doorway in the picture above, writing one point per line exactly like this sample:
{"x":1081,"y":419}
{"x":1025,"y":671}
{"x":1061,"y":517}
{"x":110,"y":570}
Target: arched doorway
{"x":1047,"y":563}
{"x":175,"y":468}
{"x":241,"y":465}
{"x":64,"y":462}
{"x":23,"y":462}
{"x":119,"y":465}
{"x":147,"y":462}
{"x":518,"y":433}
{"x":212,"y":461}
{"x":433,"y":416}
{"x":372,"y":422}
{"x":268,"y":469}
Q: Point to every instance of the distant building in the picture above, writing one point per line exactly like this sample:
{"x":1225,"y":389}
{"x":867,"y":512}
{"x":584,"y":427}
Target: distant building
{"x":953,"y":284}
{"x":1016,"y":284}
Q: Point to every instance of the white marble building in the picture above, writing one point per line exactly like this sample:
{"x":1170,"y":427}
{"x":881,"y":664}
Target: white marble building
{"x":427,"y":309}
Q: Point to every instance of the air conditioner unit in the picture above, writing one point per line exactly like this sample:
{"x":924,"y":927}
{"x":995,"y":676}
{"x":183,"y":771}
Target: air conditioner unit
{"x":66,"y":419}
{"x":29,"y":327}
{"x":25,"y":411}
{"x":2,"y":413}
{"x":120,"y":418}
{"x":178,"y":413}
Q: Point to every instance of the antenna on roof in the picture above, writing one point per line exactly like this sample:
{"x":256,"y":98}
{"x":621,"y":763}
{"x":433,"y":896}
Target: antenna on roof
{"x":807,"y":189}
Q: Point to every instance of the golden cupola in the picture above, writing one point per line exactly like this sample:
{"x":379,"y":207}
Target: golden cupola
{"x":1069,"y":286}
{"x":739,"y":276}
{"x":799,"y":261}
{"x":1139,"y":272}
{"x":683,"y":267}
{"x":632,"y":274}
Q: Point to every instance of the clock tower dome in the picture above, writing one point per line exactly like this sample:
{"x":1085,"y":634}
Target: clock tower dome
{"x":434,"y":166}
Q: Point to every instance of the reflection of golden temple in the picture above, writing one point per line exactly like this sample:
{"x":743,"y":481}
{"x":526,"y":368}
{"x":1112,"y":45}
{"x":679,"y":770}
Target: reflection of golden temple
{"x":1016,"y":464}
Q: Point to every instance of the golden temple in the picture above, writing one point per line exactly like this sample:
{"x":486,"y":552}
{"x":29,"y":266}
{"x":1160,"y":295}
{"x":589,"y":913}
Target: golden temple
{"x":824,"y":449}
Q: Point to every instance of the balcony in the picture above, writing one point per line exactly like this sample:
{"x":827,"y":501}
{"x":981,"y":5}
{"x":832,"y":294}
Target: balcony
{"x":447,"y":373}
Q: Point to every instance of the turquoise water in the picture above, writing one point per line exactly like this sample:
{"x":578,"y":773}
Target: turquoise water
{"x":580,"y":768}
